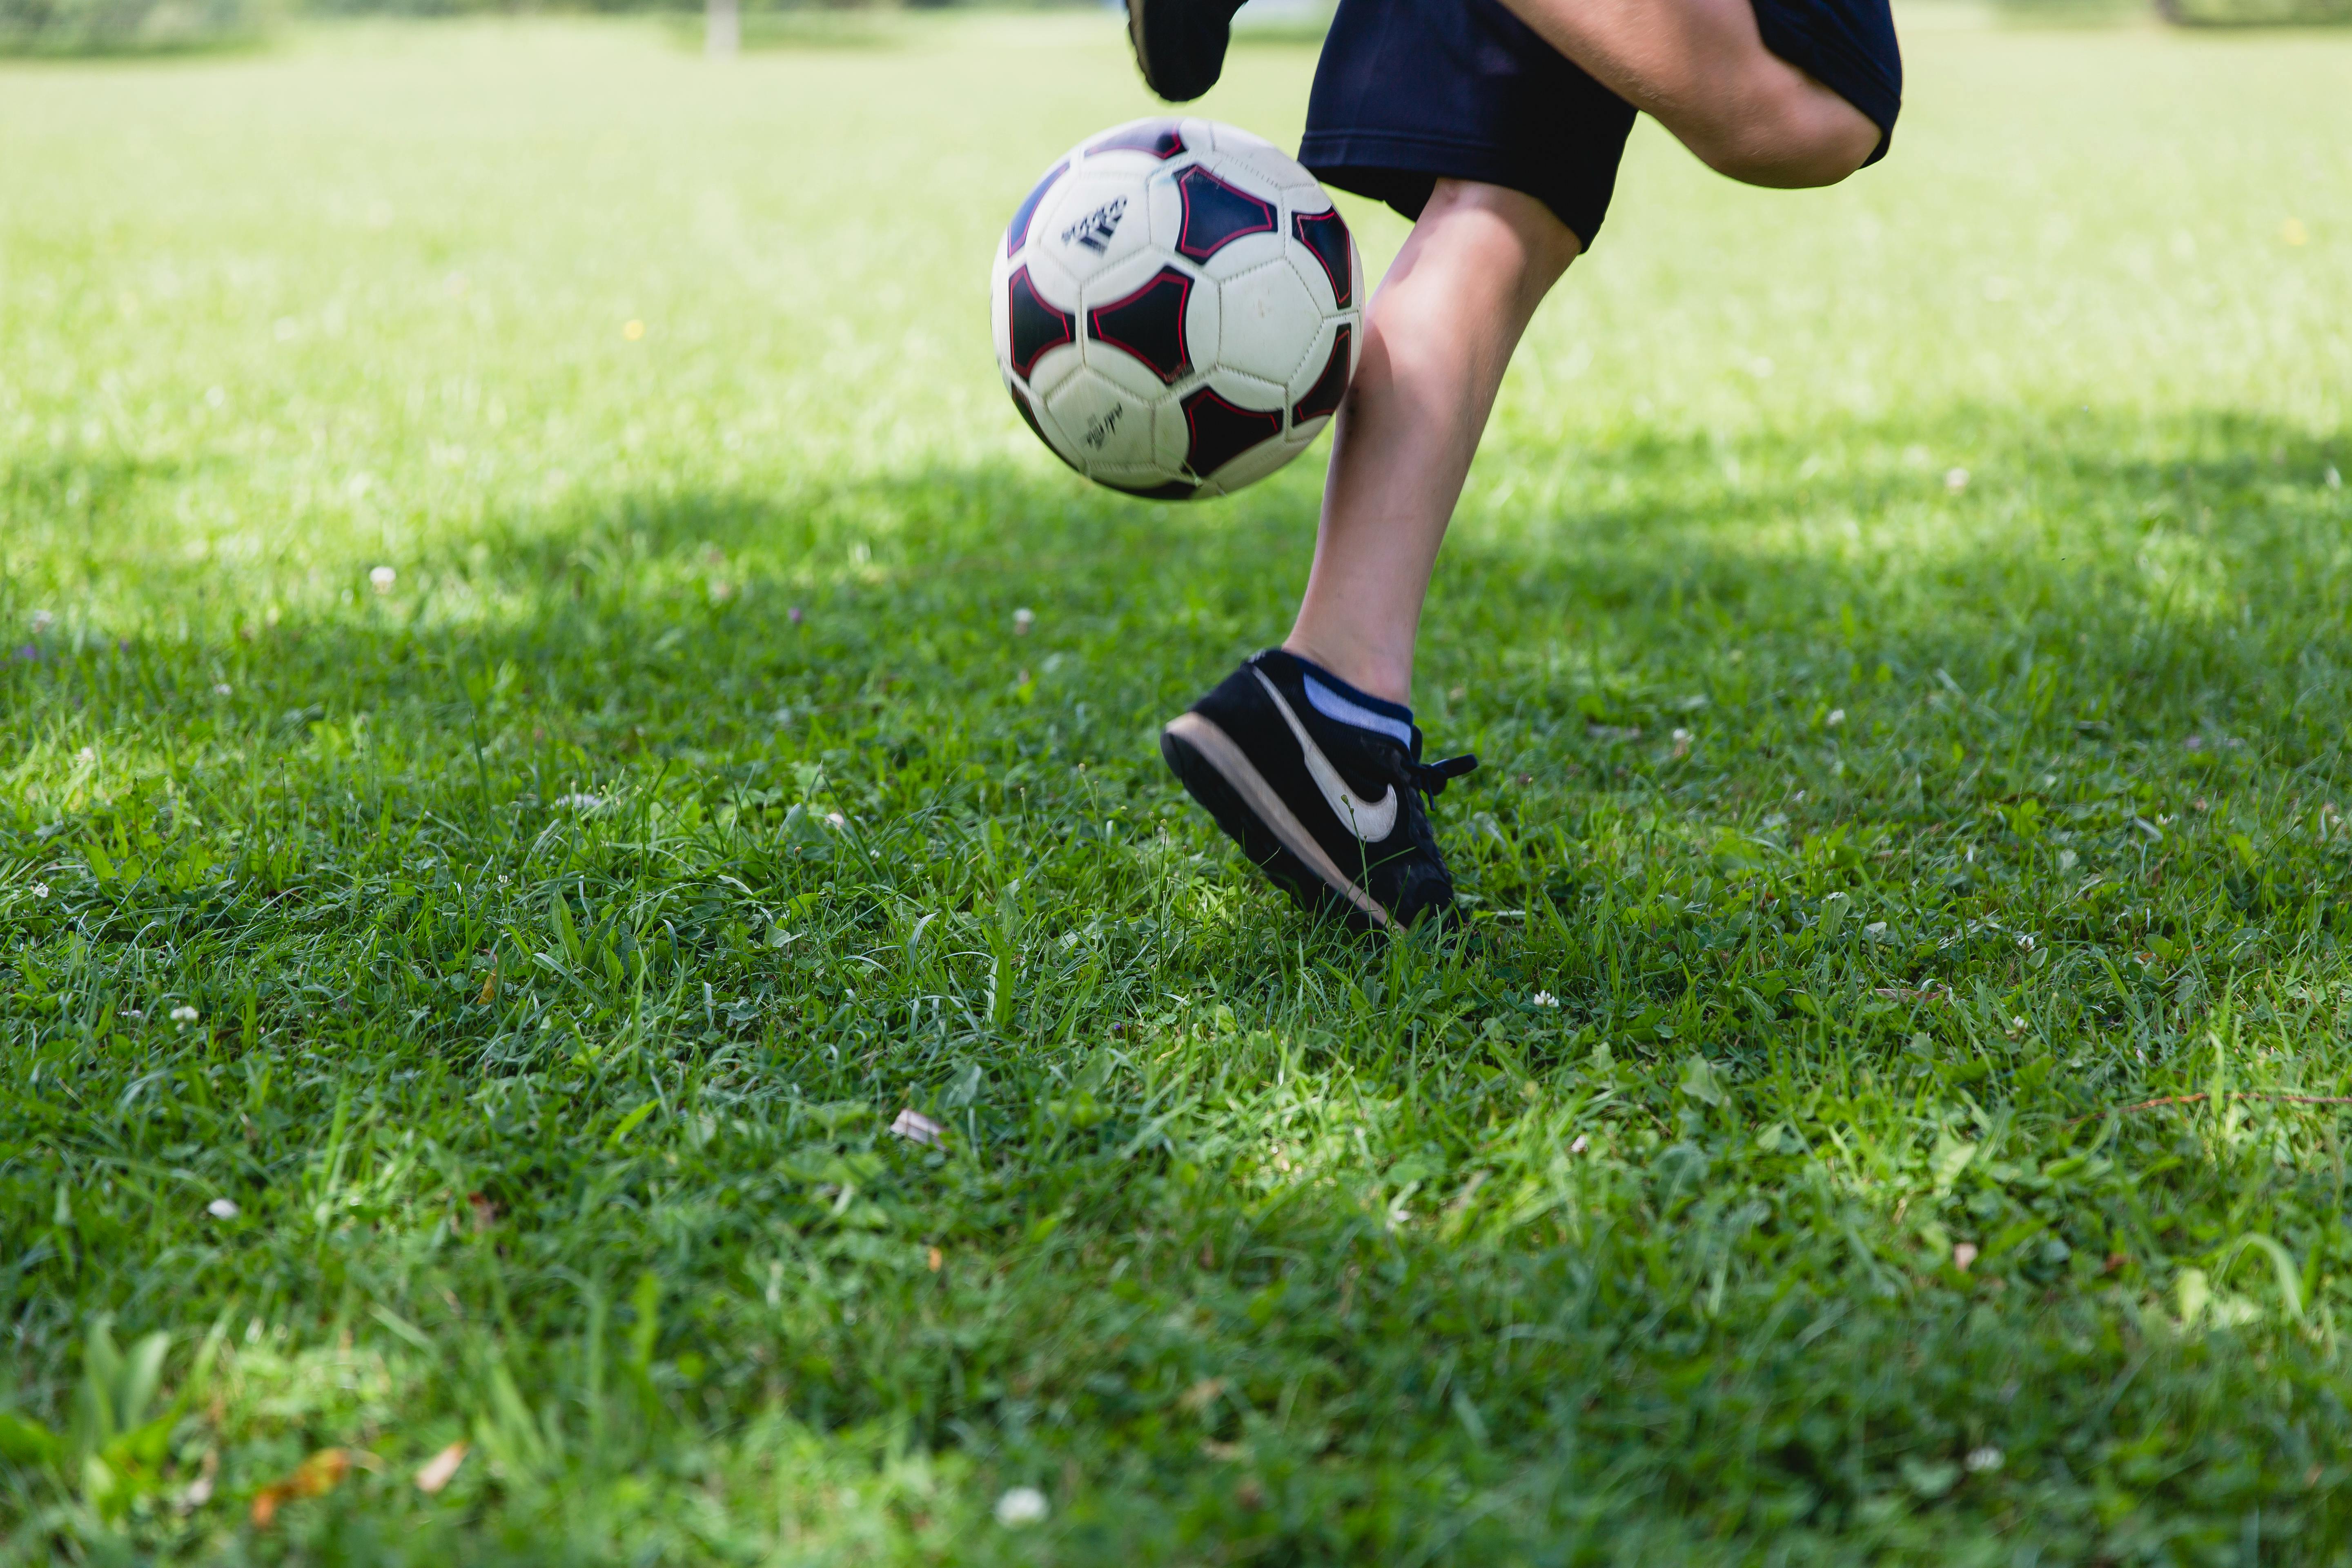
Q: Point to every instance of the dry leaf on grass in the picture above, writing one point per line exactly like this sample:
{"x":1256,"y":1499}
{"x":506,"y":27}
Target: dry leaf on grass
{"x":437,"y":1472}
{"x":314,"y":1477}
{"x":1197,"y":1397}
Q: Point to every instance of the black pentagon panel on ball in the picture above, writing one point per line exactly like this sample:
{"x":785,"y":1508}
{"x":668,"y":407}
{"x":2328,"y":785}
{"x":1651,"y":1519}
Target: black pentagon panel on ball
{"x":1164,"y":139}
{"x":1325,"y":234}
{"x":1016,"y":233}
{"x":1036,"y":325}
{"x":1174,"y":490}
{"x":1217,"y":213}
{"x":1323,"y":396}
{"x":1029,"y":417}
{"x":1149,"y":324}
{"x":1222,"y":431}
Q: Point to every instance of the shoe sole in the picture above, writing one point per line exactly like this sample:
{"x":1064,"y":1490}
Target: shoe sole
{"x":1232,"y":767}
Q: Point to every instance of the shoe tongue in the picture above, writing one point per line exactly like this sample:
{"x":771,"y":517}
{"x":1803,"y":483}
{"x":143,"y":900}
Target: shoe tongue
{"x":1342,"y":703}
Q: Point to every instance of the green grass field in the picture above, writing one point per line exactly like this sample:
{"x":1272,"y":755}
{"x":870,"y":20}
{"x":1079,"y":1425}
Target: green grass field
{"x":1905,"y":628}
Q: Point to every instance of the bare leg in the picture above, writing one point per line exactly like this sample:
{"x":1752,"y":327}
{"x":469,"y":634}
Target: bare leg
{"x":1452,"y":309}
{"x":1701,"y":69}
{"x":1436,"y":338}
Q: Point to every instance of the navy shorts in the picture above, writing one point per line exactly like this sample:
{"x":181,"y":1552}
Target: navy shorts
{"x":1410,"y":91}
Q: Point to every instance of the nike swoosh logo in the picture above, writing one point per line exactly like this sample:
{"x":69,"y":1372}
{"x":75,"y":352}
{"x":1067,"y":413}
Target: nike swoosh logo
{"x":1370,"y":824}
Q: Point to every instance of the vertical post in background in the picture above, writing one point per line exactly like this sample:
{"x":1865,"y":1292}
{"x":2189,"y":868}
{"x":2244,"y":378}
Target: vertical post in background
{"x":722,"y":29}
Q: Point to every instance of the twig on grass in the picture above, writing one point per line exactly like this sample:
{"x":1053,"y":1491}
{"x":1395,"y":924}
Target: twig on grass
{"x":2233,"y":1094}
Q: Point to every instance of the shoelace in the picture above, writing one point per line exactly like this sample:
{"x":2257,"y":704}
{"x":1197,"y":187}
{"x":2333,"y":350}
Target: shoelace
{"x":1431,"y":778}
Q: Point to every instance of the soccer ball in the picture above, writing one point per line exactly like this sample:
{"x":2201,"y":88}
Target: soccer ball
{"x":1177,"y":309}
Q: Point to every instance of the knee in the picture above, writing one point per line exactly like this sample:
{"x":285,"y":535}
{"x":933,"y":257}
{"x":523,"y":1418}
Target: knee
{"x":1793,"y":138}
{"x":1515,"y":235}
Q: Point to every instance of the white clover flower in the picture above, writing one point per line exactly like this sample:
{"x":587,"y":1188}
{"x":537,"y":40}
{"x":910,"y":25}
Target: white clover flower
{"x":223,"y":689}
{"x":87,"y":755}
{"x":1019,"y":1507}
{"x":916,"y":1128}
{"x":184,"y":1014}
{"x":382,"y":579}
{"x":1987,"y":1457}
{"x":1837,"y":716}
{"x":1023,"y":619}
{"x":40,"y":889}
{"x":221,"y":1208}
{"x":42,"y":621}
{"x":1956,"y":479}
{"x":1581,"y":1144}
{"x":1546,"y":999}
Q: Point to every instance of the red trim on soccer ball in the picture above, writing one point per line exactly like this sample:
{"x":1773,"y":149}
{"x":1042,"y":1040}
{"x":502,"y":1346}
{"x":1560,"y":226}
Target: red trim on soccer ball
{"x":1217,"y":430}
{"x":1331,"y":387}
{"x":1016,"y":233}
{"x":1132,"y":306}
{"x":1329,"y":248}
{"x":1206,"y":230}
{"x":1160,"y":138}
{"x":1038,"y":328}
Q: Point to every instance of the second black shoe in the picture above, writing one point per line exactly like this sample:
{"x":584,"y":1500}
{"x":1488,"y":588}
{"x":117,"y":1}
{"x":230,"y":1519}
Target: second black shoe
{"x":1180,"y":44}
{"x":1330,"y":810}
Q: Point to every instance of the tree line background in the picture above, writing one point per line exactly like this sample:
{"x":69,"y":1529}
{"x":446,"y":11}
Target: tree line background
{"x":86,"y":27}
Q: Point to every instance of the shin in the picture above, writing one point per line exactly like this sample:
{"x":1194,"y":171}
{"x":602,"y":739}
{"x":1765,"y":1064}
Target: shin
{"x":1437,"y":338}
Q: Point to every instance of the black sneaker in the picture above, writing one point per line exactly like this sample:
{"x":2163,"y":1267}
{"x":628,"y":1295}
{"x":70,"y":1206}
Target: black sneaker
{"x":1180,"y":44}
{"x":1332,"y":812}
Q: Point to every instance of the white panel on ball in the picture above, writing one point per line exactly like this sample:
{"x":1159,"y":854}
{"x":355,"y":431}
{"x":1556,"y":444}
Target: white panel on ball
{"x":1105,"y":427}
{"x":1090,"y":225}
{"x":1057,"y":439}
{"x":1256,"y":464}
{"x":1270,"y":321}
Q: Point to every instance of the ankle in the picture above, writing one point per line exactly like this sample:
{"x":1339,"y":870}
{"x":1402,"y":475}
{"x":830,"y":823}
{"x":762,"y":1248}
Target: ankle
{"x":1385,"y":679}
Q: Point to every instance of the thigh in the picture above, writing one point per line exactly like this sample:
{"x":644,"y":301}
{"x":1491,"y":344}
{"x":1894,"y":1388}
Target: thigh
{"x":1411,"y":92}
{"x":1707,"y":70}
{"x":1670,"y":58}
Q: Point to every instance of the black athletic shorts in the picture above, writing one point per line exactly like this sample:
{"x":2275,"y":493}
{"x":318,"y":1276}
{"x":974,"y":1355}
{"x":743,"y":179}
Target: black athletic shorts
{"x":1409,"y":91}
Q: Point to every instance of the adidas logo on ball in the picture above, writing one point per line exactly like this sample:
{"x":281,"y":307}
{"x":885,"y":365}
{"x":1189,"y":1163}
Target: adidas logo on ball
{"x":1197,"y":320}
{"x":1095,"y":229}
